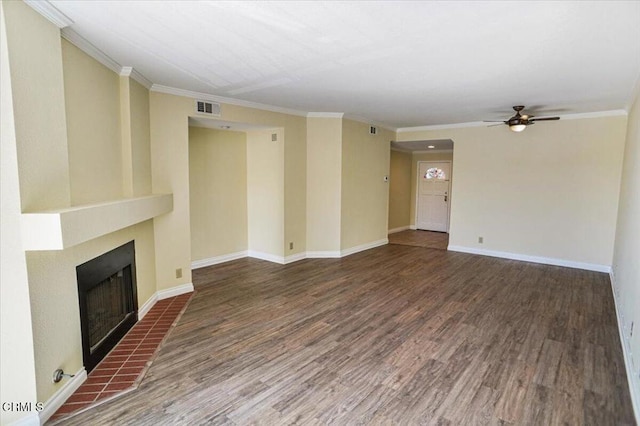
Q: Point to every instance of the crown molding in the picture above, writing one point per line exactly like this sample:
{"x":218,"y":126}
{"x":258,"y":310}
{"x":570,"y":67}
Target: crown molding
{"x":441,"y":127}
{"x":126,"y":71}
{"x":577,"y":116}
{"x":325,"y":114}
{"x":83,"y":44}
{"x":370,"y":122}
{"x":221,"y":99}
{"x":87,"y":47}
{"x":597,"y":114}
{"x":134,"y":74}
{"x":50,"y":12}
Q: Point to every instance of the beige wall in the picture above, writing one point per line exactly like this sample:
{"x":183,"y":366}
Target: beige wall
{"x":92,"y":95}
{"x":324,"y":175}
{"x":435,"y":156}
{"x":265,"y":193}
{"x":295,"y":186}
{"x":292,"y":130}
{"x":218,"y":192}
{"x":37,"y":81}
{"x":269,"y":182}
{"x":551,"y":191}
{"x":626,"y":259}
{"x":399,"y":189}
{"x":365,"y":195}
{"x":135,"y":139}
{"x":16,"y":337}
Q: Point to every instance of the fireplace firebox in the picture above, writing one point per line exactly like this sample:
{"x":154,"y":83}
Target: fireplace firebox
{"x":108,"y":302}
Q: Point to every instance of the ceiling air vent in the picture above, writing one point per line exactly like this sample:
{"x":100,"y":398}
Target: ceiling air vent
{"x":208,"y":108}
{"x":373,"y":130}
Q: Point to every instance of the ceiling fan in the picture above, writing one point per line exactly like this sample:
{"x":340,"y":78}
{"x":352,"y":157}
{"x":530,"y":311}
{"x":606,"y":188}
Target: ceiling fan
{"x":519,"y":122}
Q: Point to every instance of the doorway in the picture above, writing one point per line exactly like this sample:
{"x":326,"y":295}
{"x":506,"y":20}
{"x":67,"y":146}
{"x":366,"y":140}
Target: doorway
{"x":433,"y":193}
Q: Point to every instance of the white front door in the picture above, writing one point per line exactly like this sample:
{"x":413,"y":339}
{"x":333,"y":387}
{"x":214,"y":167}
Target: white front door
{"x":433,"y":196}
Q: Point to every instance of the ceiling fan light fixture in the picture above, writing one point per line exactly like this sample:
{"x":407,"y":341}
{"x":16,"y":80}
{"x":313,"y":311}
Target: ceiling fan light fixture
{"x":517,"y":127}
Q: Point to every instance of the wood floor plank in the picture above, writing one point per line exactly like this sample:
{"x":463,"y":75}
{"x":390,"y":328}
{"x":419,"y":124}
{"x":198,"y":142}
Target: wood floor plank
{"x":394,"y":335}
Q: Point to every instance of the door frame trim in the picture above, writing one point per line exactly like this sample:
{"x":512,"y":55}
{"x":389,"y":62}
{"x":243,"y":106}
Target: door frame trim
{"x":415,"y":219}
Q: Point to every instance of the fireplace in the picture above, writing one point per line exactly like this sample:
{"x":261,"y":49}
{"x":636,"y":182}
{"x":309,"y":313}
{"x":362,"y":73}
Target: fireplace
{"x":108,"y":302}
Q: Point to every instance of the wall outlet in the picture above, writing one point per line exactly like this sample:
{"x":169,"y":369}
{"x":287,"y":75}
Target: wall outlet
{"x":291,"y":245}
{"x":480,"y":240}
{"x":179,"y":273}
{"x":274,"y":137}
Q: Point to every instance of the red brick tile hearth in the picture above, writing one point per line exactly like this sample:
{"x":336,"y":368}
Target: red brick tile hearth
{"x":123,"y":368}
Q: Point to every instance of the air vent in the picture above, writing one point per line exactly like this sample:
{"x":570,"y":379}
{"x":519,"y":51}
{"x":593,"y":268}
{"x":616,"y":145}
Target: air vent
{"x":209,"y":108}
{"x":373,"y":130}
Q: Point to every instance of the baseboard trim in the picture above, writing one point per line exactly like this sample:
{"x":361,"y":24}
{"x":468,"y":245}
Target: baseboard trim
{"x":323,"y":254}
{"x":175,"y":291}
{"x":329,"y":254}
{"x":57,"y":399}
{"x":266,"y":256}
{"x":295,"y":258}
{"x":163,"y":294}
{"x":400,"y":229}
{"x":533,"y":259}
{"x":632,"y":380}
{"x":363,"y":247}
{"x":413,"y":227}
{"x":196,"y":264}
{"x":146,"y":306}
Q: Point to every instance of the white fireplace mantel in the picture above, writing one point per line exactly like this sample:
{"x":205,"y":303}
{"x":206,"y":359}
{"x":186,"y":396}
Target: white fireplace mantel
{"x":63,"y":228}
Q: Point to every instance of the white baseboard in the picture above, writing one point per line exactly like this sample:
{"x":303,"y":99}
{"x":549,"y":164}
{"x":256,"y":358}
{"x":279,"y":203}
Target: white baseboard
{"x":533,"y":259}
{"x":163,"y":294}
{"x":400,"y":229}
{"x":363,"y":247}
{"x":632,"y":379}
{"x":218,"y":259}
{"x":146,"y":306}
{"x":295,"y":257}
{"x":31,"y":419}
{"x":59,"y":398}
{"x":175,"y":291}
{"x":323,"y":254}
{"x":266,"y":256}
{"x":333,"y":254}
{"x":413,"y":227}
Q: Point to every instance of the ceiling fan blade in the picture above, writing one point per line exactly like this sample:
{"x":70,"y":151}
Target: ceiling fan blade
{"x":494,"y":125}
{"x":545,"y":119}
{"x":493,"y":121}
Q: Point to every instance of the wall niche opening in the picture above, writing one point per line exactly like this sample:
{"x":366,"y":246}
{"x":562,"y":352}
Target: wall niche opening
{"x":108,"y":301}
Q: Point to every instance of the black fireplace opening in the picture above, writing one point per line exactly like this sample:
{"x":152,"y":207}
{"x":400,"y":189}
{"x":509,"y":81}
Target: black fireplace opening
{"x":108,"y":301}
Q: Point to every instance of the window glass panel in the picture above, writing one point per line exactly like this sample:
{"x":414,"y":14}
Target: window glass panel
{"x":435,"y":173}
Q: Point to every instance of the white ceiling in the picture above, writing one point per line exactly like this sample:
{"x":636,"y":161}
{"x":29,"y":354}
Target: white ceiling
{"x":394,"y":63}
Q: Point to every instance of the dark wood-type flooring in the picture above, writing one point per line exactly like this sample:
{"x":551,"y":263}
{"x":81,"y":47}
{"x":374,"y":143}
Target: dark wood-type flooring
{"x":418,"y":238}
{"x":393,"y":335}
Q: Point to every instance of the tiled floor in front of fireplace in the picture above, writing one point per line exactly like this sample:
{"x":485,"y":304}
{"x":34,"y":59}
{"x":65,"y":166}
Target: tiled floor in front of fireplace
{"x":123,"y":368}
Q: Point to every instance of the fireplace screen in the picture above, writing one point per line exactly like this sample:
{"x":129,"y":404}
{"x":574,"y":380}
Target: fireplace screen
{"x":108,"y":305}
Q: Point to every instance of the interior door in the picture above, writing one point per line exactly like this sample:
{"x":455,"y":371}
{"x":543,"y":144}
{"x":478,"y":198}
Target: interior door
{"x":433,"y":196}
